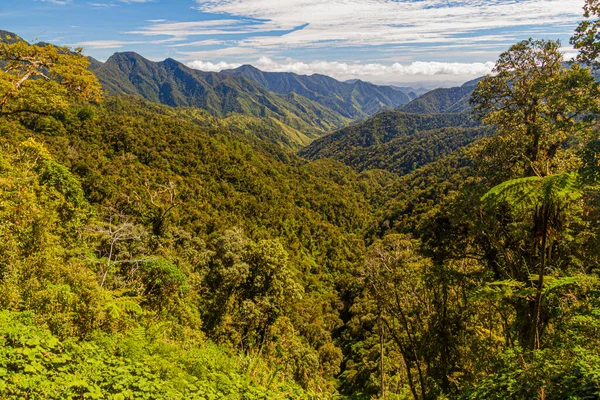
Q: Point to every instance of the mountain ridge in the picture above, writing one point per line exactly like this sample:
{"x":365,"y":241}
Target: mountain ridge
{"x":173,"y":83}
{"x":355,"y":99}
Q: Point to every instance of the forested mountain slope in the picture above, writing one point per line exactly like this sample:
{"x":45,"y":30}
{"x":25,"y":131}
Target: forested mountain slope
{"x":442,"y":100}
{"x":162,"y":252}
{"x":356,"y":99}
{"x":172,"y":83}
{"x":397,"y":141}
{"x":232,"y":214}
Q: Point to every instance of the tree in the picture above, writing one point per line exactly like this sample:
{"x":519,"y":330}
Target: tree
{"x":393,"y":276}
{"x":537,"y":105}
{"x":118,"y":230}
{"x":550,"y":201}
{"x":42,"y":79}
{"x":543,"y":112}
{"x":587,"y":33}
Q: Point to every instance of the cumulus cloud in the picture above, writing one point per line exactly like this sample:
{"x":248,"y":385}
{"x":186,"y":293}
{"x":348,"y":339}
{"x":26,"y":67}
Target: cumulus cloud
{"x":212,"y":67}
{"x":376,"y":72}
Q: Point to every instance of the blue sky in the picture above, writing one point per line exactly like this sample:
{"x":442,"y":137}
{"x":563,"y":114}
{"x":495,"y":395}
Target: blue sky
{"x":384,"y":41}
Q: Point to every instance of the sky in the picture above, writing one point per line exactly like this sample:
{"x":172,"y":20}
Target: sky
{"x":417,"y":42}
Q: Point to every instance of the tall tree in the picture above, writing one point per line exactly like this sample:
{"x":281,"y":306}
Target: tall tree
{"x":42,"y":78}
{"x":587,"y":35}
{"x":537,"y":105}
{"x":543,"y":111}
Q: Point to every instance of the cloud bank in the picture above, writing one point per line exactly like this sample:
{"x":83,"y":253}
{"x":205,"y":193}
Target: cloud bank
{"x":375,"y":72}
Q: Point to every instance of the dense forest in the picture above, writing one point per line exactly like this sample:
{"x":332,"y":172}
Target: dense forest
{"x":199,"y":247}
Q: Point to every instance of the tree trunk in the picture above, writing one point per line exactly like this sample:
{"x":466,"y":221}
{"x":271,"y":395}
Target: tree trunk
{"x":540,"y":286}
{"x":381,"y":355}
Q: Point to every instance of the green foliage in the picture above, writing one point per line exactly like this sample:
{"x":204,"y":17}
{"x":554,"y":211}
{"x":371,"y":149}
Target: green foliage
{"x":585,"y":38}
{"x":42,"y":79}
{"x":539,"y":107}
{"x":397,"y":141}
{"x":451,"y":100}
{"x":172,"y":83}
{"x":35,"y":364}
{"x":524,"y":193}
{"x":162,"y":280}
{"x":157,"y":252}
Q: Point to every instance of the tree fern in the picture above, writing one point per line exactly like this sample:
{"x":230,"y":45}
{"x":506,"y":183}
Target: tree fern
{"x":525,"y":193}
{"x":119,"y":304}
{"x":547,"y":199}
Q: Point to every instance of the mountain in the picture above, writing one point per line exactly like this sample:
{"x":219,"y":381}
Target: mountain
{"x":9,"y":37}
{"x":443,"y":100}
{"x":413,"y":93}
{"x":94,"y":64}
{"x":397,"y":141}
{"x":351,"y":99}
{"x":172,"y":83}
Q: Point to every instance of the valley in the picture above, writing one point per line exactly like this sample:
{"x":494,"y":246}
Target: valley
{"x":172,"y":233}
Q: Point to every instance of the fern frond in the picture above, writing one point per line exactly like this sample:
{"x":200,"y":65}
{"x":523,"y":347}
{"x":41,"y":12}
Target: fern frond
{"x":527,"y":192}
{"x":518,"y":193}
{"x":561,"y":187}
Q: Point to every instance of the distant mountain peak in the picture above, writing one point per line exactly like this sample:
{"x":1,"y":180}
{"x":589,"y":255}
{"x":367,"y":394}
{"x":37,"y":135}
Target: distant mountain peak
{"x":473,"y":82}
{"x":442,"y":100}
{"x":9,"y":37}
{"x":352,"y":100}
{"x":247,"y":67}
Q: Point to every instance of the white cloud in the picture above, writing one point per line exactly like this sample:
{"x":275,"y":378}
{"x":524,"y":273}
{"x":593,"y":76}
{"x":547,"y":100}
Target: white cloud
{"x":212,"y":67}
{"x":385,"y":73}
{"x":58,"y":2}
{"x":104,"y":44}
{"x":117,"y":44}
{"x":376,"y":22}
{"x":196,"y":28}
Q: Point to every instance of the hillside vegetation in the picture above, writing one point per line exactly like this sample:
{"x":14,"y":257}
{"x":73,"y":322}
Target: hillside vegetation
{"x":172,"y":83}
{"x":397,"y":141}
{"x":451,"y":100}
{"x":159,"y":252}
{"x":352,"y":100}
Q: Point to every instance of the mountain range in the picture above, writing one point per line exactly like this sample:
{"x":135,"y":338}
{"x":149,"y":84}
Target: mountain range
{"x":373,"y":127}
{"x":443,"y":100}
{"x":397,"y":141}
{"x":352,"y":99}
{"x":310,"y":104}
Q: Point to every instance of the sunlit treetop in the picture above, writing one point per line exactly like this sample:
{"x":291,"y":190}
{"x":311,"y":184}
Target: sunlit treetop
{"x":42,"y":78}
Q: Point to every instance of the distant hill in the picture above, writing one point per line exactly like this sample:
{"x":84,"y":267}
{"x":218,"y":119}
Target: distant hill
{"x":474,"y":82}
{"x":9,"y":37}
{"x":413,"y":93}
{"x":450,"y":100}
{"x":172,"y":83}
{"x":351,"y":99}
{"x":397,"y":141}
